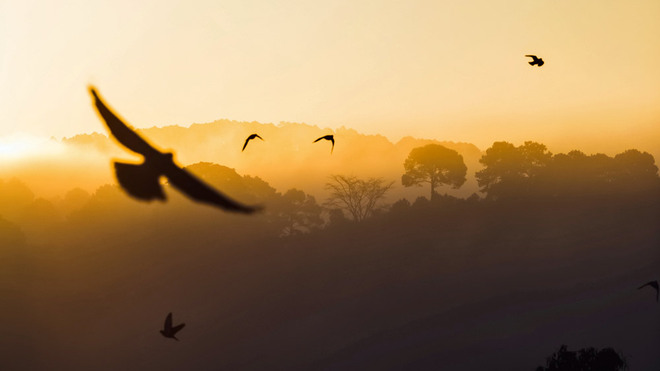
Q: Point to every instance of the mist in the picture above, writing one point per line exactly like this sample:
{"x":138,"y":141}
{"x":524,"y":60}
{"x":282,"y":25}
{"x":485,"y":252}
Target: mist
{"x":531,"y":251}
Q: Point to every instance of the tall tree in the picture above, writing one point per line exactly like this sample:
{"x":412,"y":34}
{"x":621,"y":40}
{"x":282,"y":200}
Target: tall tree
{"x":359,"y":197}
{"x":436,"y":165}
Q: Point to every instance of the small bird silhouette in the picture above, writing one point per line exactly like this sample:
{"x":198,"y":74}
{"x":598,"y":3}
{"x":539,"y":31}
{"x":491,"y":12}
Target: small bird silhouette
{"x":142,"y":181}
{"x":330,"y":138}
{"x":168,"y":331}
{"x":535,"y":60}
{"x":252,"y":136}
{"x":653,"y":284}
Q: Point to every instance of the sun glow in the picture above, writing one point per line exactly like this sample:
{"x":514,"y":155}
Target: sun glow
{"x":23,"y":146}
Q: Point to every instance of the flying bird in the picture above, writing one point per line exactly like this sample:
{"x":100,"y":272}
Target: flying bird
{"x":252,"y":136}
{"x":142,"y":181}
{"x":168,"y":331}
{"x":535,"y":60}
{"x":653,"y":284}
{"x":330,"y":138}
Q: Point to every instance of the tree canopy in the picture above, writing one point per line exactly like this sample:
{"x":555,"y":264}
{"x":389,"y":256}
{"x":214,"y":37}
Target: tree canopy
{"x":586,"y":359}
{"x":436,"y":165}
{"x":530,"y":170}
{"x":510,"y":170}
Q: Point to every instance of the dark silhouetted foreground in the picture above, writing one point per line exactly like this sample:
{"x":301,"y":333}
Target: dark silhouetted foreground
{"x":142,"y":181}
{"x":168,"y":331}
{"x":252,"y":136}
{"x":587,"y":359}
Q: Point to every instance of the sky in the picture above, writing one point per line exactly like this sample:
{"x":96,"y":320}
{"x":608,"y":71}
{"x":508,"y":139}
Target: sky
{"x":448,"y":70}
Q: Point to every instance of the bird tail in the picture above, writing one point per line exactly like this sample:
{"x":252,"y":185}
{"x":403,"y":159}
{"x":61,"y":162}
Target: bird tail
{"x":139,"y":181}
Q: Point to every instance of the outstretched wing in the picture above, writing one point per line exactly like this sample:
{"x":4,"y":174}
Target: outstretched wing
{"x":199,"y":191}
{"x":257,"y":136}
{"x":121,"y":131}
{"x":318,"y":139}
{"x":168,"y":322}
{"x":140,"y":181}
{"x":178,"y":328}
{"x":332,"y":139}
{"x":530,"y":55}
{"x":246,"y":142}
{"x":650,"y":283}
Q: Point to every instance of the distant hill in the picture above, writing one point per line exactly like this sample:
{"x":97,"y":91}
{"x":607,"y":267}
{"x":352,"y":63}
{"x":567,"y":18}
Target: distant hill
{"x":287,"y":158}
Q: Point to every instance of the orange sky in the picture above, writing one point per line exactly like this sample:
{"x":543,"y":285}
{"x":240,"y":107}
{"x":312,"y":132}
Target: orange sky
{"x":450,"y":70}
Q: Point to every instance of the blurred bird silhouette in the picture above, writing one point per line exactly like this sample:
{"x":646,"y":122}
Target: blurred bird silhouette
{"x":535,"y":60}
{"x":330,"y":138}
{"x":142,"y":181}
{"x":653,"y":284}
{"x":168,"y":331}
{"x":252,"y":136}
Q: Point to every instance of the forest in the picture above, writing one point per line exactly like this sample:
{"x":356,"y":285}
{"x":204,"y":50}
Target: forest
{"x":549,"y":250}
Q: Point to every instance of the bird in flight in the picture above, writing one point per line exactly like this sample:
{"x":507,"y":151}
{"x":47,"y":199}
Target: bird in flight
{"x":252,"y":136}
{"x":535,"y":60}
{"x":142,"y":181}
{"x":653,"y":284}
{"x":168,"y":331}
{"x":330,"y":138}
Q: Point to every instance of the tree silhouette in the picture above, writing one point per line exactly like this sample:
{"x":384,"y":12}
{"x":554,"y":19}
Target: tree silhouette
{"x":14,"y":197}
{"x":586,"y":359}
{"x":530,"y":170}
{"x":511,"y":171}
{"x":10,"y":234}
{"x":635,"y":171}
{"x":244,"y":188}
{"x":359,"y":197}
{"x":299,"y":211}
{"x":434,"y":164}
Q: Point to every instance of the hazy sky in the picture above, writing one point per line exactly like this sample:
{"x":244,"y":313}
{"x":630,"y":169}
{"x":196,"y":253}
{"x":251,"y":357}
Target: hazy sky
{"x":451,"y":70}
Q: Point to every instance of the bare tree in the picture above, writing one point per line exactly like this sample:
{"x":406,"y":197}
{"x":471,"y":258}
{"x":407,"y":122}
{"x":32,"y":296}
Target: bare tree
{"x":359,"y":197}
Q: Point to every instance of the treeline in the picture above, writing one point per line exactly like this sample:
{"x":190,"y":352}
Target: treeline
{"x":509,"y":172}
{"x":110,"y":209}
{"x":530,"y":170}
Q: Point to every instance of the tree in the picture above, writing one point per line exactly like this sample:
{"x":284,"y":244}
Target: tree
{"x":14,"y":197}
{"x":299,"y":212}
{"x":244,"y":188}
{"x":10,"y":234}
{"x":606,"y":359}
{"x":360,"y":197}
{"x":436,"y":165}
{"x":511,"y":171}
{"x":635,"y":171}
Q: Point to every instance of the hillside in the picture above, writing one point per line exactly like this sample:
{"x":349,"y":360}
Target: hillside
{"x":463,"y":285}
{"x":287,"y":157}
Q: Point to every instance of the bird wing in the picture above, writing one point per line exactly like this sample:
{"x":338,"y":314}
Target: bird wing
{"x":530,"y":55}
{"x":318,"y":139}
{"x":246,"y":142}
{"x":646,"y":284}
{"x":177,"y":328}
{"x":140,"y":181}
{"x":120,"y":130}
{"x":199,"y":191}
{"x":168,"y":322}
{"x":332,"y":139}
{"x":257,"y":135}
